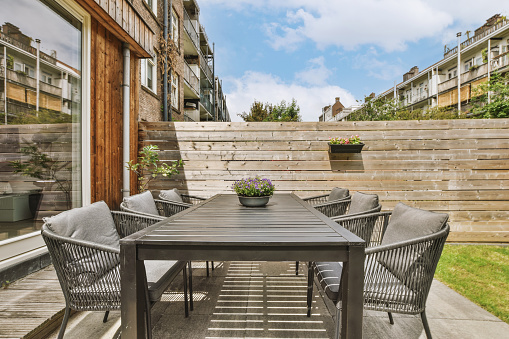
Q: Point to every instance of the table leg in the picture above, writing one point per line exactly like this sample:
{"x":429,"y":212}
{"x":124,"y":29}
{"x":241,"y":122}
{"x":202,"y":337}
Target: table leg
{"x":132,"y":296}
{"x":352,"y":283}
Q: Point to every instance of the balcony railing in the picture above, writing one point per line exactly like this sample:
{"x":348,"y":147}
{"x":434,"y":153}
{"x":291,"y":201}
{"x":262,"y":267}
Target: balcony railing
{"x":27,"y":48}
{"x":191,"y":30}
{"x":474,"y":73}
{"x":204,"y":64}
{"x":500,"y":61}
{"x":444,"y":86}
{"x":476,"y":38}
{"x":205,"y":101}
{"x":191,"y":78}
{"x":25,"y":80}
{"x":2,"y":72}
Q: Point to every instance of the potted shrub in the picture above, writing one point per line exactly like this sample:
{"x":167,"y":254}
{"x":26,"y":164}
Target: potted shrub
{"x":346,"y":145}
{"x":254,"y":192}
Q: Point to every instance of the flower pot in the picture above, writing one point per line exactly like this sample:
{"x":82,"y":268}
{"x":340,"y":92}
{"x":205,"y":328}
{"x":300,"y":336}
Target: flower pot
{"x":254,"y":201}
{"x":345,"y":148}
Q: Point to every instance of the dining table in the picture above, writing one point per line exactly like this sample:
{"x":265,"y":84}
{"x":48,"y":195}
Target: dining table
{"x":221,"y":229}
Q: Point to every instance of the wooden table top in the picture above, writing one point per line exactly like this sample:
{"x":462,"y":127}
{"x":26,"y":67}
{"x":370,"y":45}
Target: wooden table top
{"x":222,"y":220}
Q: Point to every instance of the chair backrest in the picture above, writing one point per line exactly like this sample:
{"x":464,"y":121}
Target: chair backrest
{"x":338,"y":194}
{"x":142,"y":203}
{"x":171,"y":195}
{"x":363,"y":203}
{"x":84,"y":247}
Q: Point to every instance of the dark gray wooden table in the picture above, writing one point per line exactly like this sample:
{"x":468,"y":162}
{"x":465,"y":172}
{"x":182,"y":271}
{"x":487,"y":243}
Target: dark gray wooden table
{"x":220,"y":229}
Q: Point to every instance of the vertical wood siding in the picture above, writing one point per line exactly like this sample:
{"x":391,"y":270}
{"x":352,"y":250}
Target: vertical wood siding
{"x":106,"y":116}
{"x":454,"y":166}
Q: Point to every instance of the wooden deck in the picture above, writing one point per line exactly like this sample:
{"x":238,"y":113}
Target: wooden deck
{"x":29,"y":306}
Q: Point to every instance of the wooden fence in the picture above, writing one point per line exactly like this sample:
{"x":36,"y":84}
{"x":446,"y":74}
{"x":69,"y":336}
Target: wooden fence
{"x":54,"y":140}
{"x":454,"y":166}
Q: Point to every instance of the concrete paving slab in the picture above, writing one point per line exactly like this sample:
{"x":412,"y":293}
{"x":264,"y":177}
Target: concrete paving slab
{"x":283,"y":311}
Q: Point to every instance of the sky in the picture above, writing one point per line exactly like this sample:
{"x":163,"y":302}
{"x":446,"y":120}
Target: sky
{"x":315,"y":51}
{"x":39,"y":22}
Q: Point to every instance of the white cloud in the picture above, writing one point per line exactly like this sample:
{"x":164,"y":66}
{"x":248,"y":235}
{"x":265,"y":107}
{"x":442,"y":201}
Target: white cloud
{"x":375,"y":67}
{"x":269,"y":88}
{"x":317,"y":74}
{"x":389,"y":24}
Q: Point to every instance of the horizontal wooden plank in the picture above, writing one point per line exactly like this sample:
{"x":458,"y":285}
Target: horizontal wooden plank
{"x":350,"y":126}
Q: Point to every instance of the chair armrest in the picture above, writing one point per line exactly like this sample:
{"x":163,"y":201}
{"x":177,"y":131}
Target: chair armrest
{"x":192,"y":199}
{"x":369,"y":226}
{"x":124,"y":208}
{"x":129,"y":223}
{"x":334,"y":208}
{"x":168,"y":208}
{"x":317,"y":199}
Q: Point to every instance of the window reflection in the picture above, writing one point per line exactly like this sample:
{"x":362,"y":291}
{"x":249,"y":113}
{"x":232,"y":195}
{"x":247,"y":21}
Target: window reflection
{"x":40,"y":114}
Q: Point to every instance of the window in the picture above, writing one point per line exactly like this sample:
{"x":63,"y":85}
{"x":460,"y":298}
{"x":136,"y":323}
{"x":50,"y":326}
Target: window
{"x":452,"y":73}
{"x":478,"y":61}
{"x":46,"y":77}
{"x":29,"y":71}
{"x":152,"y":4}
{"x":148,"y":74}
{"x":174,"y":90}
{"x":468,"y":64}
{"x":35,"y":194}
{"x":174,"y":27}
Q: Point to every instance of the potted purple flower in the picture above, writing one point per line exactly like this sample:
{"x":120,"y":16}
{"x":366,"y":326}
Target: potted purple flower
{"x":254,"y":192}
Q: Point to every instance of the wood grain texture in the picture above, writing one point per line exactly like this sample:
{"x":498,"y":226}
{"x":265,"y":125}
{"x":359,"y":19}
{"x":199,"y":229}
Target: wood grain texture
{"x":454,"y":166}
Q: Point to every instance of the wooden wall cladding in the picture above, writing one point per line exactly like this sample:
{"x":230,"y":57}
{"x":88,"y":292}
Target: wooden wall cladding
{"x":454,"y":166}
{"x":106,"y":116}
{"x":122,"y":20}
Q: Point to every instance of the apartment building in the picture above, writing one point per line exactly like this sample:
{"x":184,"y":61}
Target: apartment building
{"x":31,"y":80}
{"x":188,"y":86}
{"x":454,"y":79}
{"x":336,"y":111}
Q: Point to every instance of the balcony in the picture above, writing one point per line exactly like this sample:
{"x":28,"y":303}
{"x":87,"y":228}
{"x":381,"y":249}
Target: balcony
{"x":204,"y":65}
{"x":191,"y":31}
{"x":25,"y":80}
{"x":474,"y":73}
{"x":205,"y":99}
{"x":27,"y":48}
{"x":446,"y":85}
{"x":500,"y":61}
{"x":192,"y":81}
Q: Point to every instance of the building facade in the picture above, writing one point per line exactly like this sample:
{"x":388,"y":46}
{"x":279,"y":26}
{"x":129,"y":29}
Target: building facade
{"x":336,"y":111}
{"x":452,"y":81}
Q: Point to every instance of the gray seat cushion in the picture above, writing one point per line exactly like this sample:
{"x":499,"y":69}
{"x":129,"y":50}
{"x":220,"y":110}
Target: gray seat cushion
{"x":142,"y":202}
{"x":407,"y":223}
{"x":362,"y":202}
{"x":92,"y":223}
{"x":171,"y":195}
{"x":338,"y":193}
{"x":329,"y":276}
{"x":160,"y":273}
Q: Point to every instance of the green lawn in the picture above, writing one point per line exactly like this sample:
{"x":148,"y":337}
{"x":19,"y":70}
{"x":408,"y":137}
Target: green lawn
{"x":480,"y":273}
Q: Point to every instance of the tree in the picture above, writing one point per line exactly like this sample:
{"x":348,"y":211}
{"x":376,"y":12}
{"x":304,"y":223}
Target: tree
{"x":270,"y":112}
{"x":258,"y":112}
{"x":498,"y":107}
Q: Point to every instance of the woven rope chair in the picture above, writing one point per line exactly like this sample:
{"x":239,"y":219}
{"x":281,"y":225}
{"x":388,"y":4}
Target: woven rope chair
{"x":192,"y":200}
{"x":335,"y":194}
{"x":337,"y":210}
{"x":164,"y":207}
{"x":397,"y":276}
{"x":89,"y":272}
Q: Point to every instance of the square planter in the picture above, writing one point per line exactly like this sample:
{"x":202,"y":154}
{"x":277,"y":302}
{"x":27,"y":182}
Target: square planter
{"x":345,"y":148}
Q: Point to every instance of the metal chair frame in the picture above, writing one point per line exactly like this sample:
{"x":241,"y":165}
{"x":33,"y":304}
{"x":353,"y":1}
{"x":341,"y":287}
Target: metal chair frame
{"x":385,"y":290}
{"x":97,"y":287}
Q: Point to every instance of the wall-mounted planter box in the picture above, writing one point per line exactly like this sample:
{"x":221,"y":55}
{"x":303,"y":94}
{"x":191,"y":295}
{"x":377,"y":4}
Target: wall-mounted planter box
{"x":345,"y":148}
